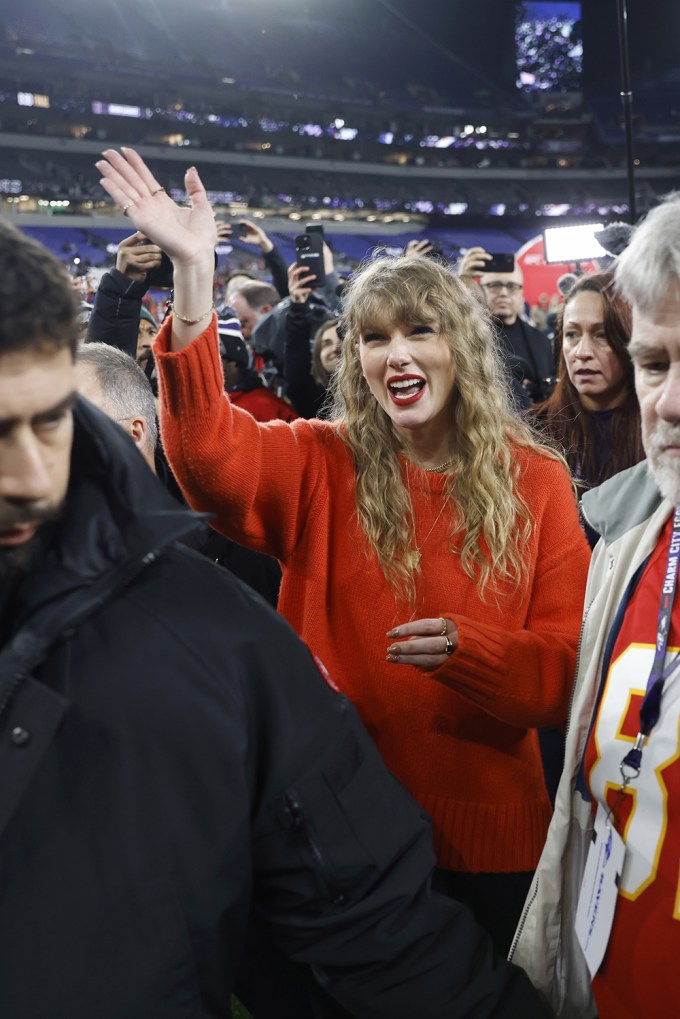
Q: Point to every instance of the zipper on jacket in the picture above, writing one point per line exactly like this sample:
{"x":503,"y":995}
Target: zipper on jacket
{"x":298,"y":824}
{"x":523,"y":920}
{"x":579,"y":648}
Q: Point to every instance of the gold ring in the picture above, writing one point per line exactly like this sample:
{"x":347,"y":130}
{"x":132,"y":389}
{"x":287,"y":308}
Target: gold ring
{"x":157,"y":191}
{"x":449,"y":649}
{"x":444,"y":626}
{"x":126,"y":207}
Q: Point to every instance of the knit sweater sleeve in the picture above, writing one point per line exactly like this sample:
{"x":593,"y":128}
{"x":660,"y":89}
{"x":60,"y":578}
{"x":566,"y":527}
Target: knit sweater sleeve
{"x":524,"y":676}
{"x":260,"y":481}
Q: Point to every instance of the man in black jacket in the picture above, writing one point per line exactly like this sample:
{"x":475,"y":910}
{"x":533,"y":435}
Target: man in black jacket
{"x":172,"y":761}
{"x":117,"y":311}
{"x":528,"y":352}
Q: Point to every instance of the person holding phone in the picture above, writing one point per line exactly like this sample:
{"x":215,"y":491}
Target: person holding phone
{"x":312,"y":348}
{"x":431,"y":551}
{"x":309,"y":253}
{"x":245,"y":231}
{"x":118,"y":317}
{"x":529,"y":354}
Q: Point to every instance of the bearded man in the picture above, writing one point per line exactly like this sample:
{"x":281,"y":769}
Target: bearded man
{"x":601,"y":931}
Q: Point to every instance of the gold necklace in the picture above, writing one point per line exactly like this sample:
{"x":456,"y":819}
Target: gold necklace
{"x":441,"y":468}
{"x":414,"y":555}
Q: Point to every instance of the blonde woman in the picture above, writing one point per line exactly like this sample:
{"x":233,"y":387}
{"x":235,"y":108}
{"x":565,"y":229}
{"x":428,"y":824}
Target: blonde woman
{"x":431,"y":551}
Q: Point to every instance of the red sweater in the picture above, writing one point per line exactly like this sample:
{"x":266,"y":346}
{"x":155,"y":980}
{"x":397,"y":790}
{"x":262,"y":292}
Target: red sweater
{"x":462,"y":739}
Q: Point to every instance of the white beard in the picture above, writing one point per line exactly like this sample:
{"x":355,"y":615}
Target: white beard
{"x":664,"y":469}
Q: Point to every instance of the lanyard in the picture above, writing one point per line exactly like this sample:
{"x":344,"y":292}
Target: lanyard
{"x":650,"y":709}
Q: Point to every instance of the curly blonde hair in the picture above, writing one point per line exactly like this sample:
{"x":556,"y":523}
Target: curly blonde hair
{"x":482,"y":483}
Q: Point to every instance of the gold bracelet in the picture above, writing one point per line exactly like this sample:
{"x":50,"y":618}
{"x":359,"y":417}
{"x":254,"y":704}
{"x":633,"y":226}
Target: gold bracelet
{"x":192,"y":321}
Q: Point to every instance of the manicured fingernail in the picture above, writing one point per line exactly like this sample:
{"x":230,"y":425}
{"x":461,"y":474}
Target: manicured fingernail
{"x":392,"y":658}
{"x":393,"y":651}
{"x":392,"y":633}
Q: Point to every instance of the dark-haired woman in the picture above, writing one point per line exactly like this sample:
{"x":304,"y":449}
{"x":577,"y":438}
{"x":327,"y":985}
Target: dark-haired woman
{"x":312,"y":346}
{"x":593,"y":413}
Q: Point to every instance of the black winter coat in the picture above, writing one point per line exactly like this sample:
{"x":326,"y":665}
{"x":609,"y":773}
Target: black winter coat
{"x":115,"y":315}
{"x":170,"y":760}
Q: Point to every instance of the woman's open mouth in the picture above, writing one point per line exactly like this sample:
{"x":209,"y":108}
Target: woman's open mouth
{"x":405,"y":389}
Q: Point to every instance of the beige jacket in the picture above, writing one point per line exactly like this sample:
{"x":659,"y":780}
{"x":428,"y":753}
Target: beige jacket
{"x":629,"y":512}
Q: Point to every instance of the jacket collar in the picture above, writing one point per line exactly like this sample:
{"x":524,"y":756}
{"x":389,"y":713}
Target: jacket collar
{"x":117,"y":517}
{"x":622,"y":502}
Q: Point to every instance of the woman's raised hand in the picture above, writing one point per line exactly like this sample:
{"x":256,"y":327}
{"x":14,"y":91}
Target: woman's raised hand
{"x":187,"y":235}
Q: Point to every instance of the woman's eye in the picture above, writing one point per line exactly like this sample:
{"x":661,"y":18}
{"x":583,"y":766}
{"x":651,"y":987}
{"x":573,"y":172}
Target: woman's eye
{"x":422,"y":330}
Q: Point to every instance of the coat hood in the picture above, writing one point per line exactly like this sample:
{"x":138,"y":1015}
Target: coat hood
{"x":621,"y":502}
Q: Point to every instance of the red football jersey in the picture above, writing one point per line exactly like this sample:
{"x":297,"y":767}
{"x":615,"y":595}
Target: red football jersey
{"x":640,"y":975}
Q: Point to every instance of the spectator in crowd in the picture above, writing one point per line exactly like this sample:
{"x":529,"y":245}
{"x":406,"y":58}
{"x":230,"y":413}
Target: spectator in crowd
{"x":251,"y":301}
{"x":617,"y":793}
{"x":232,"y":281}
{"x":248,"y":232}
{"x":118,"y":317}
{"x":242,"y":383}
{"x":453,"y":662}
{"x":593,"y":412}
{"x":541,"y":313}
{"x":112,"y":381}
{"x":313,"y":349}
{"x":326,"y":352}
{"x":528,"y":352}
{"x":117,"y":385}
{"x":148,"y":327}
{"x":166,"y":782}
{"x":320,"y":304}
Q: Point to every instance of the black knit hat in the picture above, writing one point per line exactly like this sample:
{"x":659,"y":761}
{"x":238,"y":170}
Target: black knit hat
{"x":232,"y":344}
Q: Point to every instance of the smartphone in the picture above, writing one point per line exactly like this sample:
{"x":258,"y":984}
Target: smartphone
{"x":161,"y":277}
{"x":314,"y":228}
{"x":241,"y":229}
{"x":500,"y":263}
{"x":309,"y":252}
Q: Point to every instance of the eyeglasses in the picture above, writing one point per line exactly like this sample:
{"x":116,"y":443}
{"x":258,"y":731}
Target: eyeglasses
{"x":512,"y":288}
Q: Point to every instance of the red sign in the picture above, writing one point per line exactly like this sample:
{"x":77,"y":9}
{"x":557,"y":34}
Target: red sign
{"x":539,"y":276}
